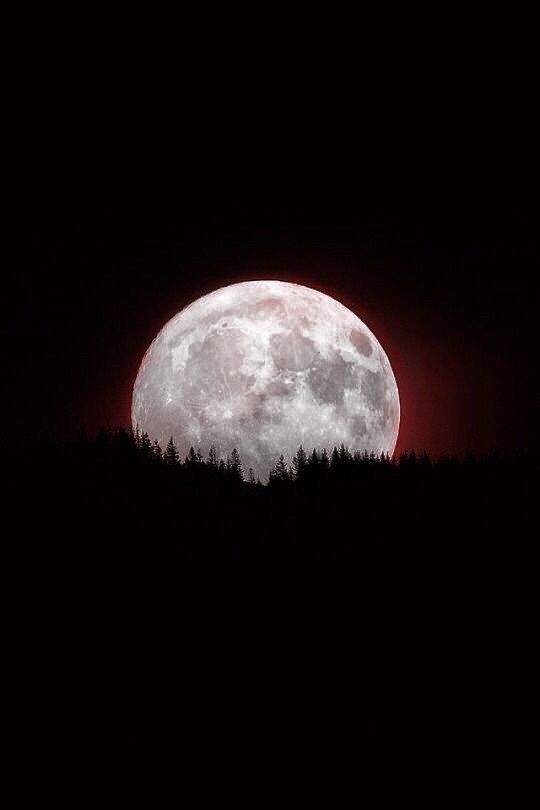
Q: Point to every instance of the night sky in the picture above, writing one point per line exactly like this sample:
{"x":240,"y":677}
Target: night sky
{"x":374,"y":621}
{"x":405,"y":188}
{"x":445,"y":284}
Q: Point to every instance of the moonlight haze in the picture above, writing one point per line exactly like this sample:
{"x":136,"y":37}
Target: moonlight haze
{"x":264,"y":366}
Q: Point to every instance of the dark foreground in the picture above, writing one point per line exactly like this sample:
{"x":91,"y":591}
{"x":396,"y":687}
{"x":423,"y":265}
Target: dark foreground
{"x":359,"y":629}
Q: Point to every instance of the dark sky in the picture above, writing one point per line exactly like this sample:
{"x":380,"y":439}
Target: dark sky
{"x":409,"y":195}
{"x":447,"y":290}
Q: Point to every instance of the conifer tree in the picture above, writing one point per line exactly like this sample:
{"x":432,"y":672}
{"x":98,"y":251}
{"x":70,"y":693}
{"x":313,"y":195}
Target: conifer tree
{"x":212,"y":457}
{"x":280,"y":472}
{"x":299,"y":463}
{"x":236,"y":465}
{"x":145,"y":445}
{"x":314,"y":459}
{"x":171,"y":456}
{"x":325,"y":462}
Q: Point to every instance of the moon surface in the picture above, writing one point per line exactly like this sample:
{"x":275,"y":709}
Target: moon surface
{"x":265,"y":366}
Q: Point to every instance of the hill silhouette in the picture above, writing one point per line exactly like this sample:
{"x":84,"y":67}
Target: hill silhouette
{"x":367,"y":608}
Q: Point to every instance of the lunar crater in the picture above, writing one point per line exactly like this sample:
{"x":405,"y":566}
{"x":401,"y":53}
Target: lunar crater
{"x":328,"y":379}
{"x":361,"y":342}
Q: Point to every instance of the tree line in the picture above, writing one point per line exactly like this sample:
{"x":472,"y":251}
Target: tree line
{"x":314,"y":467}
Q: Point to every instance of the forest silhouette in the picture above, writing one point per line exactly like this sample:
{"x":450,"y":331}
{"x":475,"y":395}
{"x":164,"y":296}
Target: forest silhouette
{"x":375,"y":602}
{"x":323,"y":504}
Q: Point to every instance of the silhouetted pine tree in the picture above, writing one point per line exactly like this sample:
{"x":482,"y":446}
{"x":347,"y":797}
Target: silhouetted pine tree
{"x":325,"y":462}
{"x":170,"y":455}
{"x":236,"y":466}
{"x":299,"y":463}
{"x":145,"y":445}
{"x":212,"y":457}
{"x":156,"y":451}
{"x":192,"y":459}
{"x":424,"y":460}
{"x":280,"y":473}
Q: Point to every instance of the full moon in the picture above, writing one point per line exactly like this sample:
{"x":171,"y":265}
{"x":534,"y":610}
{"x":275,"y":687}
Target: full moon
{"x":265,"y":366}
